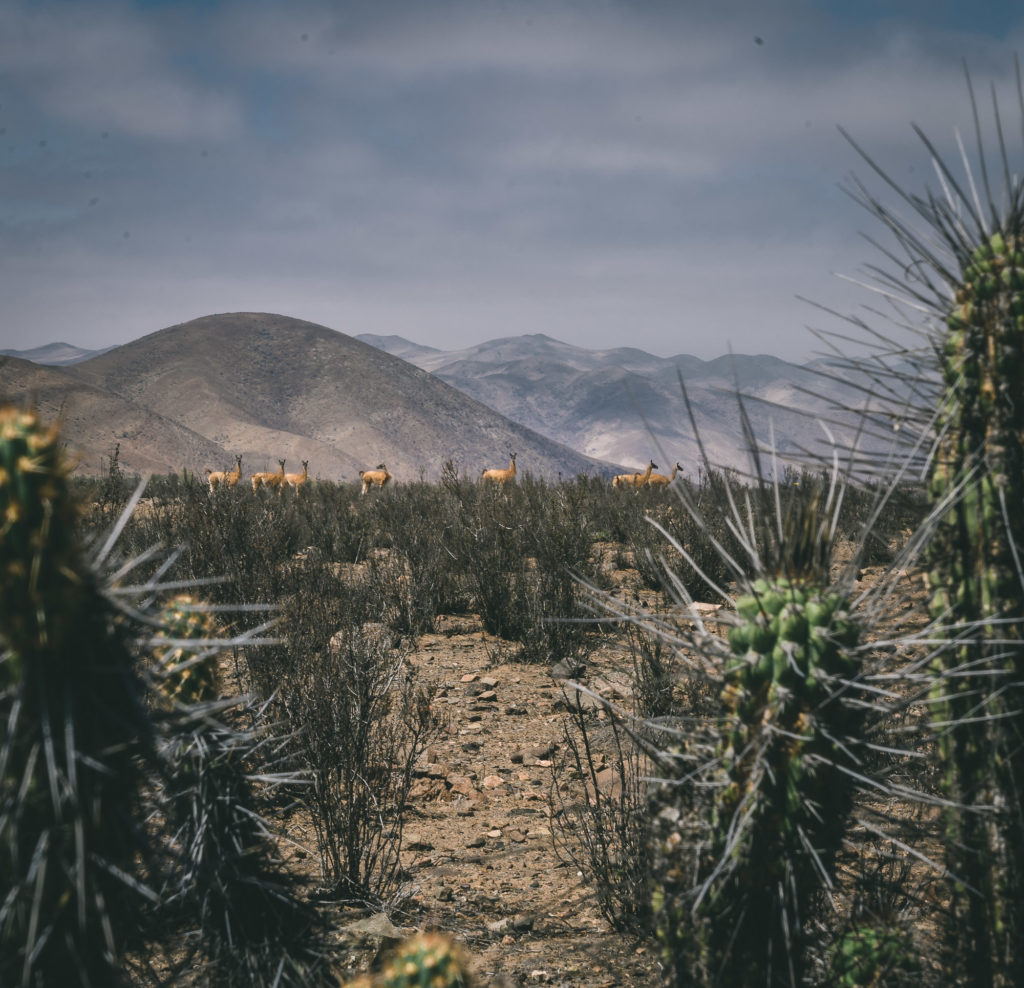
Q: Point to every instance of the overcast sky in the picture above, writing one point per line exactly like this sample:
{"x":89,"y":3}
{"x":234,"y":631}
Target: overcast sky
{"x":666,"y":175}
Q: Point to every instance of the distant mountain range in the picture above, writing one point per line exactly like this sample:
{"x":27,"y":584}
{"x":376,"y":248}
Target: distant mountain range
{"x":627,"y":406}
{"x":268,"y":386}
{"x":55,"y":354}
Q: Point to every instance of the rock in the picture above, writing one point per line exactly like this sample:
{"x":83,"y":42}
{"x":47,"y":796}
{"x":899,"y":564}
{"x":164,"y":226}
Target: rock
{"x":493,"y":781}
{"x":374,"y":928}
{"x":462,"y":784}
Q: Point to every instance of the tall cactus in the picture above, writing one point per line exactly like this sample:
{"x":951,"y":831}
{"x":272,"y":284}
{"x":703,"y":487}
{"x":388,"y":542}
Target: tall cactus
{"x":976,"y":580}
{"x":74,"y":728}
{"x":962,"y":264}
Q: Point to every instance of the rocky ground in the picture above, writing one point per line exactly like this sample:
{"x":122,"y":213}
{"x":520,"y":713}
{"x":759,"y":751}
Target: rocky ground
{"x":479,"y":846}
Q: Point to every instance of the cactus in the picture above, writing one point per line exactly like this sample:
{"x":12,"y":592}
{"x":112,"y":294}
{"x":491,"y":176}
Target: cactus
{"x":81,"y":753}
{"x":968,"y":278}
{"x":782,"y":783}
{"x":225,"y":886}
{"x":427,"y":960}
{"x":186,"y":665}
{"x":975,"y":581}
{"x":74,"y":731}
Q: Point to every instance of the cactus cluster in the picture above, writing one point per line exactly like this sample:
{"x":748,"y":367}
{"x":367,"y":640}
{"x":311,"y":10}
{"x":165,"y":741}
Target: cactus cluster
{"x":83,"y":757}
{"x":959,"y":261}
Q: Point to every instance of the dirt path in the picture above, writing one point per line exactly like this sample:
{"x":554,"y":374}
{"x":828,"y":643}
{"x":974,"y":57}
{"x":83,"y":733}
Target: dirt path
{"x":478,"y":847}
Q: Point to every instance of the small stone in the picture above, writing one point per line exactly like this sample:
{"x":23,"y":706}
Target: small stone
{"x":494,"y":833}
{"x":468,"y":678}
{"x":493,"y":781}
{"x":462,"y":784}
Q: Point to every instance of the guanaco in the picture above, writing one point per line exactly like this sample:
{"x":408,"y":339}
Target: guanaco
{"x":660,"y":480}
{"x":272,"y":480}
{"x":296,"y":480}
{"x":636,"y":480}
{"x":380,"y":477}
{"x":229,"y":477}
{"x":500,"y":476}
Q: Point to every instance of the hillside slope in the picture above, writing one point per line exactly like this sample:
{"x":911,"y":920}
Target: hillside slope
{"x":97,"y":421}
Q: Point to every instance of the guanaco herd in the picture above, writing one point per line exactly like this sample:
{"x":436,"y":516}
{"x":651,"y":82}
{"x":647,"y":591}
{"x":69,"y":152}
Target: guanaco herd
{"x":380,"y":477}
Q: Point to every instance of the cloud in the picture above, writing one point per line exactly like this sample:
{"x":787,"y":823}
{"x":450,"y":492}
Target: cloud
{"x":107,"y":66}
{"x":454,"y":171}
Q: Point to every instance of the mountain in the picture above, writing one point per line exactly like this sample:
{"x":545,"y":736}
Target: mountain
{"x":54,"y":354}
{"x":626,"y":406}
{"x":267,"y":386}
{"x":96,"y":421}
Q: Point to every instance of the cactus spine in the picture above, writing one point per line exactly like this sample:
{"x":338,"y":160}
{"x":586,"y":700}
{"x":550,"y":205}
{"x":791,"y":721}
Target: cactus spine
{"x":74,"y":728}
{"x":976,"y":579}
